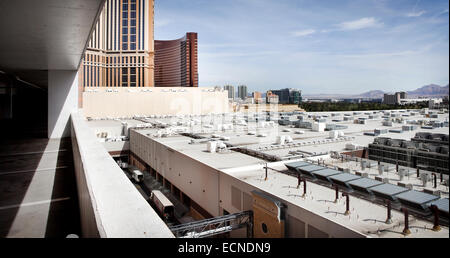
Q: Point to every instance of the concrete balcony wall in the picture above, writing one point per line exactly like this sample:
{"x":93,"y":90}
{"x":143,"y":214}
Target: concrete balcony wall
{"x":110,"y":206}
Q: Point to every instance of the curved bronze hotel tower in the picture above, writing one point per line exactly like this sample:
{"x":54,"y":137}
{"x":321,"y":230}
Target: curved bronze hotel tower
{"x":121,"y":51}
{"x":176,"y":62}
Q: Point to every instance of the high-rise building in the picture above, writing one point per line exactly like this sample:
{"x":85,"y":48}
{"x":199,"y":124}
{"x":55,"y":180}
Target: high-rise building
{"x":288,"y":96}
{"x":230,"y":89}
{"x":257,"y":96}
{"x":120,"y":52}
{"x":272,"y":98}
{"x":176,"y":62}
{"x":242,"y":92}
{"x":394,"y":99}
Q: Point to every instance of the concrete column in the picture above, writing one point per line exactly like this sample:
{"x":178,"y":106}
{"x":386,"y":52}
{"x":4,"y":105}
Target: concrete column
{"x":62,"y":101}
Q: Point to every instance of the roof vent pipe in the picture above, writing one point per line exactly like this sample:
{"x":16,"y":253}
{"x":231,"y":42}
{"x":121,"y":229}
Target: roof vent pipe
{"x":304,"y":186}
{"x":435,"y":211}
{"x":406,"y":230}
{"x":389,"y":215}
{"x":337,"y":193}
{"x":347,"y":203}
{"x":265,"y":179}
{"x":435,"y":179}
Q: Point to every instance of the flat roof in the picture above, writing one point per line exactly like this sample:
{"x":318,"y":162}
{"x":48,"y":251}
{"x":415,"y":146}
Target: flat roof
{"x":366,"y":217}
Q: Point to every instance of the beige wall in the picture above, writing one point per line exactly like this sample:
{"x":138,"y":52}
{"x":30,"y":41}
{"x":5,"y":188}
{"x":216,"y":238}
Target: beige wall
{"x":128,"y":102}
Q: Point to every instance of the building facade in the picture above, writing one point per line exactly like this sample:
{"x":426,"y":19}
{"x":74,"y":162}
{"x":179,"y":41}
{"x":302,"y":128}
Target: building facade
{"x":120,"y":52}
{"x":414,"y":154}
{"x":288,"y":96}
{"x":242,"y":92}
{"x":272,"y":98}
{"x":394,"y":99}
{"x":257,"y":96}
{"x":230,"y":89}
{"x":176,"y":62}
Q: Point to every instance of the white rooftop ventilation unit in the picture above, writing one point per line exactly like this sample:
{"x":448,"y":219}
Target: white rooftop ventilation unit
{"x":281,"y":139}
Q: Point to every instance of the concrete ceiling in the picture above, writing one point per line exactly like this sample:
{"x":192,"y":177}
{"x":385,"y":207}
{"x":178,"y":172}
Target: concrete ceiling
{"x":44,"y":35}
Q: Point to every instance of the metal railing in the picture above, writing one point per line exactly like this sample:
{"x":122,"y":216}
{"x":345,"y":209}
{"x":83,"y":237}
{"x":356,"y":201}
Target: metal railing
{"x":215,"y":226}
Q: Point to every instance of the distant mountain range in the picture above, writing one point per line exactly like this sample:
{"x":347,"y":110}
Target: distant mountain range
{"x":431,"y":90}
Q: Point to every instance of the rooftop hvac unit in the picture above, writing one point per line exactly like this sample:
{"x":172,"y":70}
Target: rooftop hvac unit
{"x":281,"y":139}
{"x":288,"y":139}
{"x":380,"y":169}
{"x":211,"y":146}
{"x":424,"y":178}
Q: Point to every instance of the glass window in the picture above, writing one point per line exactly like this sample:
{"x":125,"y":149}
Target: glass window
{"x":124,"y":30}
{"x":125,"y":14}
{"x":124,"y":38}
{"x":124,"y":22}
{"x":133,"y":46}
{"x":133,"y":38}
{"x":125,"y":46}
{"x":133,"y":7}
{"x":125,"y":6}
{"x":133,"y":14}
{"x":133,"y":23}
{"x":133,"y":30}
{"x":132,"y":70}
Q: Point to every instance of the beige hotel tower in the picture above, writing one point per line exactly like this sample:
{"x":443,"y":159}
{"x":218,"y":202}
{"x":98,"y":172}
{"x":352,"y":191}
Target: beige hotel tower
{"x":120,"y":52}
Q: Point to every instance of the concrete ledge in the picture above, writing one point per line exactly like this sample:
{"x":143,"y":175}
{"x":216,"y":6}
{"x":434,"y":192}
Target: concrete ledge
{"x":110,"y":206}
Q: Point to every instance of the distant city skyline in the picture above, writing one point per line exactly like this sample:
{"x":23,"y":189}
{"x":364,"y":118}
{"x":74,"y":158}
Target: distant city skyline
{"x":347,"y":47}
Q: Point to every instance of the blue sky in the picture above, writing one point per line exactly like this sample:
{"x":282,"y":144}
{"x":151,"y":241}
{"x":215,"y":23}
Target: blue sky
{"x":318,"y":46}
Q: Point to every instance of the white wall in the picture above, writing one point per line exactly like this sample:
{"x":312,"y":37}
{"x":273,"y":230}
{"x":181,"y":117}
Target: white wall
{"x":62,"y":101}
{"x":110,"y":205}
{"x":127,"y":102}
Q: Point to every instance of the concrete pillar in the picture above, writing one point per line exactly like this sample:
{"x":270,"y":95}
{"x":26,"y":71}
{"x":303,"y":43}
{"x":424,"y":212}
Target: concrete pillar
{"x":62,"y":101}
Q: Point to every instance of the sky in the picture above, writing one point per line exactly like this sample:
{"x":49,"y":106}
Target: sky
{"x":317,"y":46}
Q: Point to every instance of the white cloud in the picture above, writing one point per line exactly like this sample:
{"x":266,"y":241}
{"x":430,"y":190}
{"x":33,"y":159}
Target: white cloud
{"x":415,"y":14}
{"x":162,"y":22}
{"x":367,"y":22}
{"x":303,"y":33}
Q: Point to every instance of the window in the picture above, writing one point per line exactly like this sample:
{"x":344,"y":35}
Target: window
{"x":125,"y":15}
{"x":133,"y":30}
{"x":133,"y":23}
{"x":125,"y":46}
{"x":124,"y":22}
{"x":124,"y":30}
{"x":133,"y":38}
{"x":124,"y":38}
{"x":133,"y":46}
{"x":124,"y":77}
